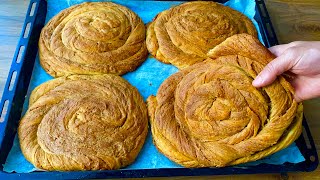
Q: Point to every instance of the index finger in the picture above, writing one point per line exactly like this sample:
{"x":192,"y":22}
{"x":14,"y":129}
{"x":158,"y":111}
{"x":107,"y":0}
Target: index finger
{"x":279,"y":49}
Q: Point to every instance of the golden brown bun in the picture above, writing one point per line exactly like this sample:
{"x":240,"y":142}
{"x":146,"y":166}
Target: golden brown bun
{"x":184,"y":34}
{"x":83,"y":122}
{"x":209,"y":115}
{"x":93,"y":38}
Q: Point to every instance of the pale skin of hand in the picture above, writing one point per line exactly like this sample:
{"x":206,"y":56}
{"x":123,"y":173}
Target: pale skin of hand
{"x":301,"y":59}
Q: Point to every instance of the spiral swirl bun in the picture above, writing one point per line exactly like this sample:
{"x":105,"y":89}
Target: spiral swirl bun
{"x":184,"y":34}
{"x":93,"y":38}
{"x":209,"y":114}
{"x":83,"y":122}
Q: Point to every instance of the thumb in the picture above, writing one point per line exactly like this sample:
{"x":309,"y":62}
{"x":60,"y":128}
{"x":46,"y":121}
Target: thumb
{"x":276,"y":67}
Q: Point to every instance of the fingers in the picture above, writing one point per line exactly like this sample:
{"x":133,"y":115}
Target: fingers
{"x":279,"y":49}
{"x":299,"y":94}
{"x":276,"y":67}
{"x":292,"y":57}
{"x":286,"y":57}
{"x":306,"y":88}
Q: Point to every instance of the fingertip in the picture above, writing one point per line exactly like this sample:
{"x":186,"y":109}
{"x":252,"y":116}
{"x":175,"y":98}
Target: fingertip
{"x":278,"y":49}
{"x":264,"y":79}
{"x":274,"y":50}
{"x":257,"y":82}
{"x":298,"y":95}
{"x":297,"y":98}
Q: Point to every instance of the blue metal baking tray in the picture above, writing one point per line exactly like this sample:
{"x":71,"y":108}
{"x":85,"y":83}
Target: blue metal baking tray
{"x":16,"y":89}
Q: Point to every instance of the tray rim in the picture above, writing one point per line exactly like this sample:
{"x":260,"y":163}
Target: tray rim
{"x":37,"y":22}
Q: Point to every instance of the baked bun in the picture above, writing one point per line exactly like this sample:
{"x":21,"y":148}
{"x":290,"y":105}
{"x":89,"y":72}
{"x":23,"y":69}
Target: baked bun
{"x":83,"y":122}
{"x":209,"y":114}
{"x":93,"y":38}
{"x":184,"y":34}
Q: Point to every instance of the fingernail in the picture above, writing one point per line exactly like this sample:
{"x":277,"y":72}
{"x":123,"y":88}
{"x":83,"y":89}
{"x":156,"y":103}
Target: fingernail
{"x":257,"y":81}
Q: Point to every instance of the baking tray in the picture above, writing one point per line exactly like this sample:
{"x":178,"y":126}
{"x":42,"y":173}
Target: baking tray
{"x":17,"y":85}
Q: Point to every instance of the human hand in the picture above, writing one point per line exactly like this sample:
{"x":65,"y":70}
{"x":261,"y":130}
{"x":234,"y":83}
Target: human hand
{"x":302,"y":60}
